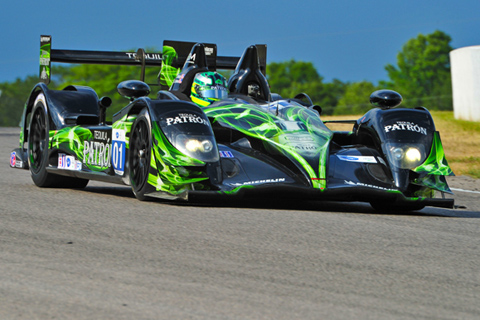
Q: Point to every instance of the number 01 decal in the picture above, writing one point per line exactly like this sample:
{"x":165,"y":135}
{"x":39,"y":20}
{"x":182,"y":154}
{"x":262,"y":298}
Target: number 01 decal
{"x":118,"y":151}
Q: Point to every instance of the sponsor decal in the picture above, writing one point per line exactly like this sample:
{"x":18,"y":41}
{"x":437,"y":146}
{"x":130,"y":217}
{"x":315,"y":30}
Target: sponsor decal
{"x":405,"y":126}
{"x":192,"y":57}
{"x":302,"y":148}
{"x":360,"y":184}
{"x":186,"y":118}
{"x":260,"y":182}
{"x":362,"y":159}
{"x":148,"y":56}
{"x":298,"y":138}
{"x":45,"y":44}
{"x":44,"y":58}
{"x":217,"y":87}
{"x":100,"y":135}
{"x":208,"y":51}
{"x":44,"y":74}
{"x":304,"y":144}
{"x":97,"y":152}
{"x":68,"y":162}
{"x":118,"y":151}
{"x":226,"y":154}
{"x":13,"y":159}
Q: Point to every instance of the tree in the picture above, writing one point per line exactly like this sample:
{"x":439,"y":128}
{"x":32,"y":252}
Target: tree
{"x":12,"y":99}
{"x":293,"y":77}
{"x":356,"y":99}
{"x":282,"y":75}
{"x":423,"y":72}
{"x":104,"y":79}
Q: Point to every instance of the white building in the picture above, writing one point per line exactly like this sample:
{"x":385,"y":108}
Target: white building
{"x":465,"y":68}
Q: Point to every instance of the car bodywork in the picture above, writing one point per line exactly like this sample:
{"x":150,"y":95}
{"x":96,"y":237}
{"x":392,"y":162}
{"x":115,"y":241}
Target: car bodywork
{"x":254,"y":143}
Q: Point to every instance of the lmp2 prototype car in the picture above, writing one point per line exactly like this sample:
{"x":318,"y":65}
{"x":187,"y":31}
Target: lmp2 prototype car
{"x":251,"y":143}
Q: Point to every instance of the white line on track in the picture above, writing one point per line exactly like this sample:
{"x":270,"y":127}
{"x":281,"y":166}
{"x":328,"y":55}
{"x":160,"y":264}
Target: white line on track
{"x":462,"y":190}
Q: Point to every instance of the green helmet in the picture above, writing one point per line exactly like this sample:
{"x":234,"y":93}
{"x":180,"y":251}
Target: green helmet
{"x":208,"y":87}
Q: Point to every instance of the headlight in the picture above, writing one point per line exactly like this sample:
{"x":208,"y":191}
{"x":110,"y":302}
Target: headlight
{"x":413,"y":155}
{"x":397,"y":154}
{"x":199,"y":147}
{"x":405,"y":156}
{"x":194,"y":145}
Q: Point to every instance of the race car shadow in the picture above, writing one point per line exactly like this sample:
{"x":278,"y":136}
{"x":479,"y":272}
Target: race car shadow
{"x":332,"y":206}
{"x":125,"y":192}
{"x":458,"y":212}
{"x":280,"y":204}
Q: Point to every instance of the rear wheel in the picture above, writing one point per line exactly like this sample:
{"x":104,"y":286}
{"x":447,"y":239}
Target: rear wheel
{"x":38,"y":146}
{"x":140,"y":155}
{"x":38,"y":139}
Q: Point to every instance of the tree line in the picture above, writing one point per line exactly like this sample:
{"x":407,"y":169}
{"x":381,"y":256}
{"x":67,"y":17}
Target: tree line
{"x":421,"y":76}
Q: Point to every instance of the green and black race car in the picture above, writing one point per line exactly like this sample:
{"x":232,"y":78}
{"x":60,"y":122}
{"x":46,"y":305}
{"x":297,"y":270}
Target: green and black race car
{"x":246,"y":142}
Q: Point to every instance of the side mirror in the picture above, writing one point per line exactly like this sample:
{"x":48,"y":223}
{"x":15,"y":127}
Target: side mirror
{"x":385,"y":99}
{"x":132,"y":89}
{"x":104,"y":103}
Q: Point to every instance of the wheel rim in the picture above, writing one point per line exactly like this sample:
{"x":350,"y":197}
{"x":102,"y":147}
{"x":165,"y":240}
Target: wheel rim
{"x":140,"y":155}
{"x":37,"y":140}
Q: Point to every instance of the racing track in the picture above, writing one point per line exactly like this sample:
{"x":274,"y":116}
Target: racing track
{"x":101,"y":254}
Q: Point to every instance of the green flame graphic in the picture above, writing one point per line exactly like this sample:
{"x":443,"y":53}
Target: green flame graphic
{"x":255,"y":121}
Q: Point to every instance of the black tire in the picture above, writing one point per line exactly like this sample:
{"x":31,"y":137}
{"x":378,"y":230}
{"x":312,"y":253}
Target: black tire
{"x":38,"y":139}
{"x":140,"y":155}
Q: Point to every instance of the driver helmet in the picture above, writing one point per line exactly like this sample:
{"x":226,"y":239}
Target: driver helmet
{"x":208,"y":87}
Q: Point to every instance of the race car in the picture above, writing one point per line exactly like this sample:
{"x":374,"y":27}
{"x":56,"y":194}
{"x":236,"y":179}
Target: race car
{"x":248,"y":143}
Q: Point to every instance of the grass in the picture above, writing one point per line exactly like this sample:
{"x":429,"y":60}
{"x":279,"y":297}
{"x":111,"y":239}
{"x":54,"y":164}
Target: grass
{"x":460,"y":139}
{"x":461,"y":142}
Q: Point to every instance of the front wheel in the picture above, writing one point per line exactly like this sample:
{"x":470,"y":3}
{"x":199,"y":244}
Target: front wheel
{"x":140,"y":155}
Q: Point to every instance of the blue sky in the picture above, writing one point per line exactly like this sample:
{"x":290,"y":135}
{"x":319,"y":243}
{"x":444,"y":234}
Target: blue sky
{"x":347,"y":40}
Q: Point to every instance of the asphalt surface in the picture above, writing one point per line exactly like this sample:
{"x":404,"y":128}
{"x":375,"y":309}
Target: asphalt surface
{"x":99,"y":253}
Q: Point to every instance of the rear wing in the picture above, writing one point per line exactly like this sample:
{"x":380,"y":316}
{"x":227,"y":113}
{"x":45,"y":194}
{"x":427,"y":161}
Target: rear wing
{"x":173,"y":57}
